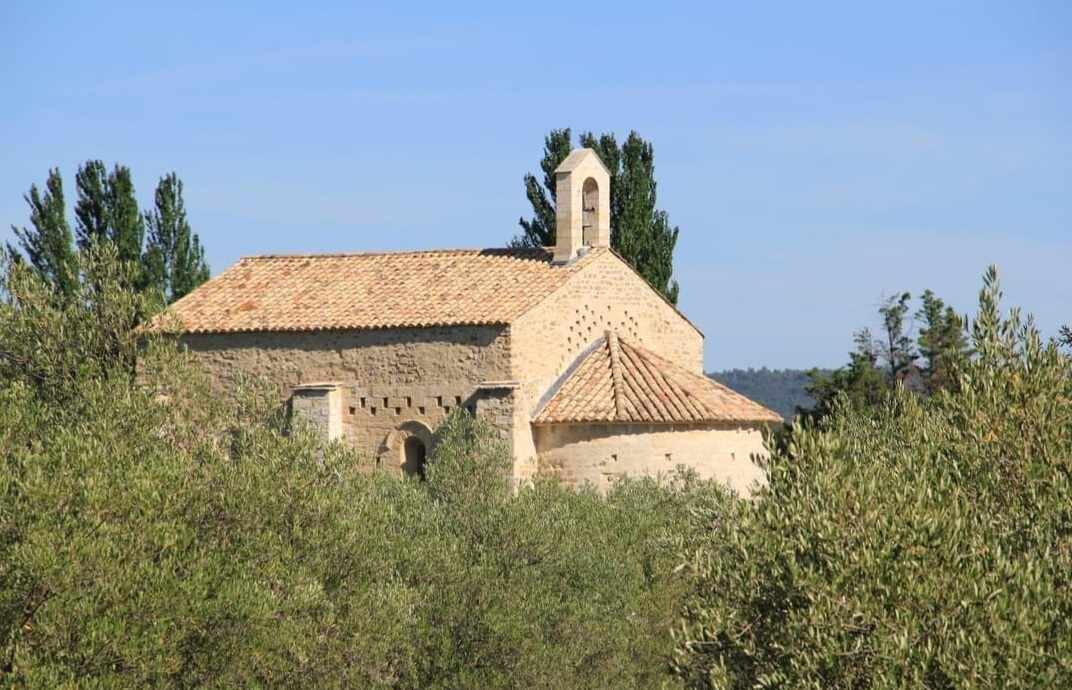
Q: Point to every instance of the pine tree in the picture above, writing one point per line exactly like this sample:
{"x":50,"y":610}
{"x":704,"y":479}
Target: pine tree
{"x":877,"y":365}
{"x":174,"y":258}
{"x":943,"y":343}
{"x":48,"y":245}
{"x":640,"y":232}
{"x":897,"y":348}
{"x":861,"y":381}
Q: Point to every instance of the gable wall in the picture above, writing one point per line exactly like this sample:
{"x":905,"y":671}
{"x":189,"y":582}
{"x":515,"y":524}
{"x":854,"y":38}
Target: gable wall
{"x":388,"y":378}
{"x":607,"y":294}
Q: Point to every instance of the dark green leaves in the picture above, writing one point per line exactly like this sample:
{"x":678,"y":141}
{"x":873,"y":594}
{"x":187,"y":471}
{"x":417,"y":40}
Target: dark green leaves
{"x":640,"y":232}
{"x":168,"y":261}
{"x":48,"y":246}
{"x":174,"y":258}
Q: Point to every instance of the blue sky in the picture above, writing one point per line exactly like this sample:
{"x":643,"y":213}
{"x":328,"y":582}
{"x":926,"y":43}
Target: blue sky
{"x":816,"y":156}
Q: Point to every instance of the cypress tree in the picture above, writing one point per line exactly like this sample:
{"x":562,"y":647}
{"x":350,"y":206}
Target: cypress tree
{"x":640,"y":232}
{"x":127,"y":226}
{"x":49,"y":244}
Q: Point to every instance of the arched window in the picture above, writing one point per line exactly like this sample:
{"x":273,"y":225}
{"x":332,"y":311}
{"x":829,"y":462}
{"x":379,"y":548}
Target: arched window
{"x":415,"y":457}
{"x":589,"y":210}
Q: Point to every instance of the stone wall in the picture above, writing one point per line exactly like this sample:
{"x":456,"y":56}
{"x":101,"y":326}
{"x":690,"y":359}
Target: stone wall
{"x":595,"y":454}
{"x":396,"y":383}
{"x":393,"y":382}
{"x":606,"y":295}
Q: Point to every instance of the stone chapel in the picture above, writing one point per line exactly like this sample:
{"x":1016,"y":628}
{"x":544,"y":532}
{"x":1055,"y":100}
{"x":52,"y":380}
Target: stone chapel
{"x":589,"y":373}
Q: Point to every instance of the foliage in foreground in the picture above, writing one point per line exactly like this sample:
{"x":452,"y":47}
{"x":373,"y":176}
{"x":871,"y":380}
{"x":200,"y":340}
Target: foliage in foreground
{"x":159,"y":534}
{"x":926,"y":543}
{"x":155,"y":533}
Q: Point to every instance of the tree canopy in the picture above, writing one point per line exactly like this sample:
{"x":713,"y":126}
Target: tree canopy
{"x":924,"y":365}
{"x":639,"y":231}
{"x":168,"y":255}
{"x":921,"y":542}
{"x":157,"y":531}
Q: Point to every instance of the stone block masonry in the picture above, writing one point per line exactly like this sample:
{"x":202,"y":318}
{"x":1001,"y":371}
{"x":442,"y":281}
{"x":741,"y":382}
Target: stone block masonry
{"x":599,"y":454}
{"x":320,"y":406}
{"x":380,"y":380}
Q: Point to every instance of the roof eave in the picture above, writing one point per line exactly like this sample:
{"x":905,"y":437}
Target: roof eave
{"x":722,"y":423}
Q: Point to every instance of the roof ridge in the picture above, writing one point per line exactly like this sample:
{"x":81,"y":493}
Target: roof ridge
{"x":653,"y":362}
{"x":565,"y":376}
{"x":371,"y":290}
{"x":616,"y":371}
{"x":636,"y":385}
{"x":397,"y":252}
{"x":647,"y":381}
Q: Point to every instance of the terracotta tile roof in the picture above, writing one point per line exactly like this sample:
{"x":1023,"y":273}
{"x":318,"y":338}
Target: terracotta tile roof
{"x":618,"y":382}
{"x":343,"y":291}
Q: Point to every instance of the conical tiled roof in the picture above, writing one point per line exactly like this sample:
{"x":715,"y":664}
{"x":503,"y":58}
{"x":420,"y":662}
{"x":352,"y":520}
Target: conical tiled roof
{"x":618,"y":382}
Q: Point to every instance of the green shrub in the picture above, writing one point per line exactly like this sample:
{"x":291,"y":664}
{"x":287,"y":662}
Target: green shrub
{"x":156,"y":533}
{"x":928,"y":544}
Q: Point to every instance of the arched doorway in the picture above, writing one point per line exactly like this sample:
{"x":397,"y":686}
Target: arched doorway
{"x":414,"y":457}
{"x":409,"y":448}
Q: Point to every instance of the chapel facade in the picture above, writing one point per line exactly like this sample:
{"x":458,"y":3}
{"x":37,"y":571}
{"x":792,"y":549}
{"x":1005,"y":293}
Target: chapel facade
{"x":589,"y":373}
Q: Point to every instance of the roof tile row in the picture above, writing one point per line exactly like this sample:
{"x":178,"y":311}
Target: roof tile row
{"x":619,"y":382}
{"x":404,"y":289}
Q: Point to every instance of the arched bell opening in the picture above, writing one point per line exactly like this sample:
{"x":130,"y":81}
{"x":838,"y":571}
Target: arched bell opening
{"x":589,"y":212}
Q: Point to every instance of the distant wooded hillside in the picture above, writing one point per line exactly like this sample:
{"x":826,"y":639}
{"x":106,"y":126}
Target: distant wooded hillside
{"x":782,"y":390}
